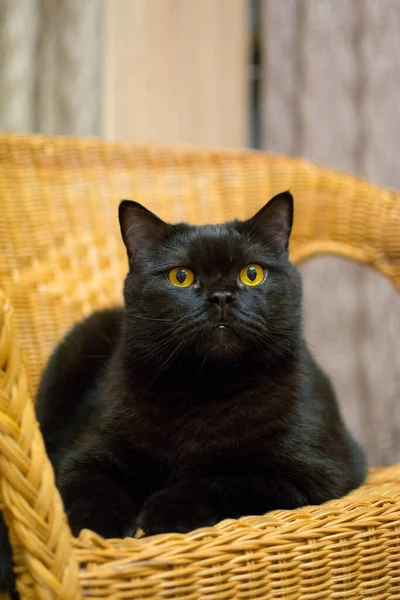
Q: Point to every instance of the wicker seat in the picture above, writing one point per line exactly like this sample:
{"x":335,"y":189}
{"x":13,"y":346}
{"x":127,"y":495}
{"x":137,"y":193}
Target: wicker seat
{"x":60,"y":258}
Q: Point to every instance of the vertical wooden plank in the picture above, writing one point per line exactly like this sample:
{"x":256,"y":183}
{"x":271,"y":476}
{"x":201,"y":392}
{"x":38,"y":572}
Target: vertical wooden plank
{"x":328,"y":99}
{"x":380,"y":101}
{"x":176,"y":71}
{"x":280,"y":75}
{"x":380,"y":134}
{"x":342,"y":61}
{"x":68,"y":85}
{"x":18,"y":68}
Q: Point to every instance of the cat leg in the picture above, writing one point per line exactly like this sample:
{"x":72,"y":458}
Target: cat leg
{"x":103,"y":493}
{"x":201,"y":503}
{"x":95,"y":498}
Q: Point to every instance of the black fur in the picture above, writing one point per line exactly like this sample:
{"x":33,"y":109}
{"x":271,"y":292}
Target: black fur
{"x":6,"y":574}
{"x":155,"y":417}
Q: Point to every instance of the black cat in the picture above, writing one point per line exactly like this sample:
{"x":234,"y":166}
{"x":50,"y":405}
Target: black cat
{"x":199,"y":400}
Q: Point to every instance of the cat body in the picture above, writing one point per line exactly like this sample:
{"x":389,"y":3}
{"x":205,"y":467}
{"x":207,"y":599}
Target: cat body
{"x":198,"y":400}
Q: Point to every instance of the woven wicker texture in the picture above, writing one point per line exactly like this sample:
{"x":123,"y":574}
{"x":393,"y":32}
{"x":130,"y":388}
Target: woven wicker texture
{"x":61,"y":257}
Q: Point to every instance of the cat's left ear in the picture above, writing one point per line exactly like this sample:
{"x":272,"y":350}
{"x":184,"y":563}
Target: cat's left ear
{"x":142,"y":231}
{"x":275,"y":220}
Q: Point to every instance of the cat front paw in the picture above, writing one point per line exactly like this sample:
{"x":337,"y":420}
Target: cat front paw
{"x":107,"y":523}
{"x":166,"y":512}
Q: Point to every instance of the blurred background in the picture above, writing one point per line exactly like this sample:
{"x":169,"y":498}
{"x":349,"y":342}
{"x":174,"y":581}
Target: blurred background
{"x":314,"y":78}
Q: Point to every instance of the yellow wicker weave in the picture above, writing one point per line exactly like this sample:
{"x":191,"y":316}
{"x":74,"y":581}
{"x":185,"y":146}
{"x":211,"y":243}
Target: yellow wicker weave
{"x":61,"y":257}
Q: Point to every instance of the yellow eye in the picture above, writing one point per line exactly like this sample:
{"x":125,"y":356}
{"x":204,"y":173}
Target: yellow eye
{"x":252,"y":275}
{"x":181,"y":277}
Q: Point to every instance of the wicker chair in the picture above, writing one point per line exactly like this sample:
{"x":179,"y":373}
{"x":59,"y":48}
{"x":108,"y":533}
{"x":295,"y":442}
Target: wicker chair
{"x":60,"y":258}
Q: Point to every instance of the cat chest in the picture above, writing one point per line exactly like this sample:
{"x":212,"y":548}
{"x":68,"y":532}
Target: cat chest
{"x":175,"y":438}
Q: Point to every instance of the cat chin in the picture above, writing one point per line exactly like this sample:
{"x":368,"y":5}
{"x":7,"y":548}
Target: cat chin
{"x":221,"y":344}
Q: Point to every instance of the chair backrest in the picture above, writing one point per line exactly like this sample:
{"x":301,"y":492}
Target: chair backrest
{"x":61,"y":255}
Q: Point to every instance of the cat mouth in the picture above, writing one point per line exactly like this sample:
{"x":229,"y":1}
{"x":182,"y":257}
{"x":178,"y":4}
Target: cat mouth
{"x":222,"y":325}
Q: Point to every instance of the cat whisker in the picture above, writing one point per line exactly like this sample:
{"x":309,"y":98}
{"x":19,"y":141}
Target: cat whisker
{"x":136,"y":316}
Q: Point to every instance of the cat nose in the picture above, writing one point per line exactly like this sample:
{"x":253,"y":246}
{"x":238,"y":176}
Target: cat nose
{"x":221,"y":298}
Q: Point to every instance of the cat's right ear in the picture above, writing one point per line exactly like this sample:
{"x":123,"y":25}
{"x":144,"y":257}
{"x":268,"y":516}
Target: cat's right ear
{"x":142,"y":231}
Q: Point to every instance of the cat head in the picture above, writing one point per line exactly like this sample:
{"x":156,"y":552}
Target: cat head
{"x":214,"y":293}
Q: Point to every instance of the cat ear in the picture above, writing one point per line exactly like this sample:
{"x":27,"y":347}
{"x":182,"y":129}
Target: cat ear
{"x":275,"y":220}
{"x":141,"y":230}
